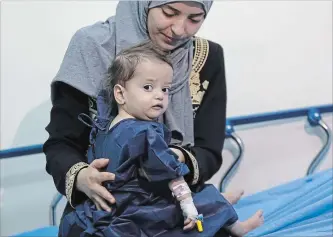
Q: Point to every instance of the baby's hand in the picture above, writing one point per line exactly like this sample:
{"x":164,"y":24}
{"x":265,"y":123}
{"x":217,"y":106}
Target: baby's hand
{"x":189,"y":224}
{"x":189,"y":212}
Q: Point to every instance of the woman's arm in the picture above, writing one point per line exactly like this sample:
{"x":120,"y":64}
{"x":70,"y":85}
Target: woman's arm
{"x":66,"y":146}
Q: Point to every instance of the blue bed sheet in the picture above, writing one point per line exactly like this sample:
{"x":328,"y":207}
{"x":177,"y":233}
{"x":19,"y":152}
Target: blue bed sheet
{"x":303,"y":207}
{"x":299,"y":208}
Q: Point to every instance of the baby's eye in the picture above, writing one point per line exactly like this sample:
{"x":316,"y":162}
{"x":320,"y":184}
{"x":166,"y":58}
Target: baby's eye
{"x":148,"y":87}
{"x":166,"y":90}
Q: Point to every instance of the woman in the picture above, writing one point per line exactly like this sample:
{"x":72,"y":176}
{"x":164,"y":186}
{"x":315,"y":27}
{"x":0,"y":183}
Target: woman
{"x":171,"y":25}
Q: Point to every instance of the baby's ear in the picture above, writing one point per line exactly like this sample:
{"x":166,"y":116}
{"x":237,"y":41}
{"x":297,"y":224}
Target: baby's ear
{"x":118,"y":92}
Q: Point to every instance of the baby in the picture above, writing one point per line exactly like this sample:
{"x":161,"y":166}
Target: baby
{"x":140,"y":81}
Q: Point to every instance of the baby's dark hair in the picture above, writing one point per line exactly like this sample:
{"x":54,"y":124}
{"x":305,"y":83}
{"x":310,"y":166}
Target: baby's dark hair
{"x":125,"y":63}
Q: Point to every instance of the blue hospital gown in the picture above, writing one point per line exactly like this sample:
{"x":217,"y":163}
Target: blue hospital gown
{"x":143,"y":165}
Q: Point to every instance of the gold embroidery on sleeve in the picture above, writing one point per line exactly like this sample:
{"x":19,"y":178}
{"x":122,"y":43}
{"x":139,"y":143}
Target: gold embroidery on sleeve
{"x":70,"y":179}
{"x":199,"y":60}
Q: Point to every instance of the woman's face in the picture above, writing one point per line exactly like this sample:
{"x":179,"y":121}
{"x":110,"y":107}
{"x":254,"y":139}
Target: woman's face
{"x":172,"y":24}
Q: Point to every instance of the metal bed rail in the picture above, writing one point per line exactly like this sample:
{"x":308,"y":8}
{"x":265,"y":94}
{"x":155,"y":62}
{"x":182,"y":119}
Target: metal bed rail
{"x":313,"y":117}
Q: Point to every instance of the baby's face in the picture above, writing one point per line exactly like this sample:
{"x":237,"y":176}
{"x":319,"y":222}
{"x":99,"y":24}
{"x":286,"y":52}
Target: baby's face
{"x":146,"y":94}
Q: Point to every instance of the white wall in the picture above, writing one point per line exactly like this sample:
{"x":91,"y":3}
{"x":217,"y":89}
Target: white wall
{"x":278,"y":53}
{"x":34,"y":38}
{"x":278,"y":56}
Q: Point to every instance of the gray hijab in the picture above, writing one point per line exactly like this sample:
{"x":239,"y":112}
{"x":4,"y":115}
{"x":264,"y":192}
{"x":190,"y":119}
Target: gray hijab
{"x":93,"y":48}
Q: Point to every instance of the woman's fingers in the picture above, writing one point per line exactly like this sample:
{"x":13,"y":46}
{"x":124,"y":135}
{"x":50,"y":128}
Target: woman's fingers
{"x":99,"y":163}
{"x":100,"y":203}
{"x":104,"y":193}
{"x":105,"y":176}
{"x":91,"y":180}
{"x":98,"y":207}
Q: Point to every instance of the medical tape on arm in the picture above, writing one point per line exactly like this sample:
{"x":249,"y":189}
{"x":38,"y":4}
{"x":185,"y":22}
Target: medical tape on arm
{"x":180,"y":190}
{"x":188,"y":208}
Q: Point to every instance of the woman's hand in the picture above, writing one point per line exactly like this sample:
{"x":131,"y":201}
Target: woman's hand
{"x":89,"y":181}
{"x":179,"y":153}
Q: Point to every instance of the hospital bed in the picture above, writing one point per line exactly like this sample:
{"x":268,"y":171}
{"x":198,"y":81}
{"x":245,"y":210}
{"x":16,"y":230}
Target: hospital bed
{"x":302,"y":207}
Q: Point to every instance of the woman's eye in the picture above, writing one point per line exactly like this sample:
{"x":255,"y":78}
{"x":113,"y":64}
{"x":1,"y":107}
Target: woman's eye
{"x":148,"y":87}
{"x":195,"y":20}
{"x":168,"y":14}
